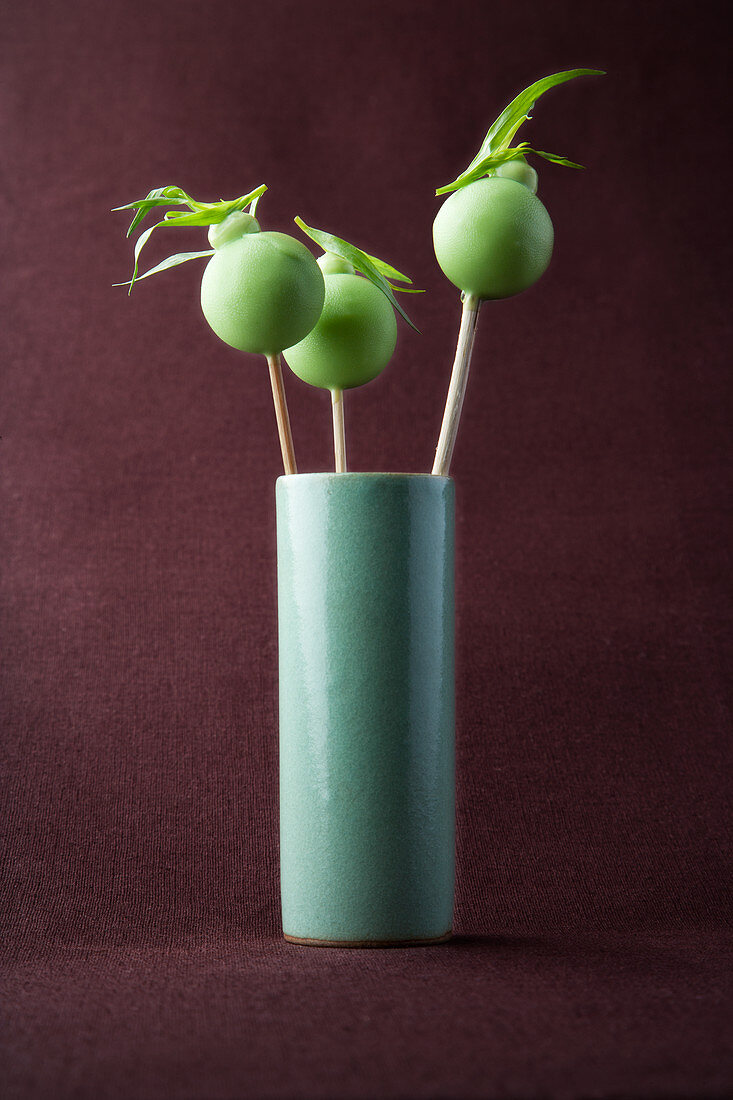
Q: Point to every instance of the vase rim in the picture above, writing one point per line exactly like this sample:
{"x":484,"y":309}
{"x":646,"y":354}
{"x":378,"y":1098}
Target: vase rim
{"x":330,"y":475}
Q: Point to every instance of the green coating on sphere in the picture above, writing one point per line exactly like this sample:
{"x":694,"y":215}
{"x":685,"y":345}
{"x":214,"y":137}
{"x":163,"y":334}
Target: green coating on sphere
{"x":236,"y":225}
{"x":493,"y":238}
{"x":331,"y":264}
{"x":520,"y":171}
{"x":353,"y":340}
{"x":262,"y":292}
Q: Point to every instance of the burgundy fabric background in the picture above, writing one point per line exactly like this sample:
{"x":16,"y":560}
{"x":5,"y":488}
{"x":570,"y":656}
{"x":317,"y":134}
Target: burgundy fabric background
{"x":141,"y":946}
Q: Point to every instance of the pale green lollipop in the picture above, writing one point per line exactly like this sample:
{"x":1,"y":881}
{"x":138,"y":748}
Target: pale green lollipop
{"x":492,"y":236}
{"x":260,"y":291}
{"x":354,"y":338}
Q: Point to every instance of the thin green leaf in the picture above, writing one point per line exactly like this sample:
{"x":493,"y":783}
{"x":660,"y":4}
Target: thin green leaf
{"x":148,"y":204}
{"x":388,"y":271}
{"x":200,"y":214}
{"x":491,"y":162}
{"x":486,"y":164}
{"x":502,"y":130}
{"x":145,"y":209}
{"x":172,"y":261}
{"x":176,"y":196}
{"x":159,"y":196}
{"x":195,"y":218}
{"x":361,"y":261}
{"x":252,"y":197}
{"x":178,"y":192}
{"x":555,"y":159}
{"x":210,"y":213}
{"x":511,"y":118}
{"x":144,"y":236}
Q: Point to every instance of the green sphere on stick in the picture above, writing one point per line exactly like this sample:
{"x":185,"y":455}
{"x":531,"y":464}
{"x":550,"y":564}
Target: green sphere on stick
{"x":493,"y":238}
{"x":352,"y":341}
{"x":262,"y":292}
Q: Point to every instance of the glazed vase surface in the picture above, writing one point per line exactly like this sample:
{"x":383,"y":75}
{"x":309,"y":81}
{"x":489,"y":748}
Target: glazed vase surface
{"x":366,"y":705}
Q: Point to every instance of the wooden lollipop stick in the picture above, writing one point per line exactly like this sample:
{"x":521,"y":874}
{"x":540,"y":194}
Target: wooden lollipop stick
{"x":339,"y":432}
{"x":457,"y":388}
{"x":281,"y":414}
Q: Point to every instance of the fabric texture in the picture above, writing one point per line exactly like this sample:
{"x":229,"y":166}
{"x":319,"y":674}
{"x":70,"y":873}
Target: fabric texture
{"x":141,"y":942}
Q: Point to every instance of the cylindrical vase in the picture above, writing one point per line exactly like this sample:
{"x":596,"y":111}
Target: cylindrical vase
{"x":366,"y":686}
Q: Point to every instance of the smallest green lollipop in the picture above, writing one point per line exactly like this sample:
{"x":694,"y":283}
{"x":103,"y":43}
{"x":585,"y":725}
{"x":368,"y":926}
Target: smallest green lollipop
{"x":356,"y":334}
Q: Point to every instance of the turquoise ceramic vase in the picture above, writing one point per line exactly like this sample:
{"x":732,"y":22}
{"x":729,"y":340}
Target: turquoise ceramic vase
{"x":366,"y":641}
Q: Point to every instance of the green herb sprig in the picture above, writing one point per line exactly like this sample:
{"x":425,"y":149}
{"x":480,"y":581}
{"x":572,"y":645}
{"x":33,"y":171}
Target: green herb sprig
{"x":199,"y":213}
{"x":382,"y":274}
{"x":497,"y":148}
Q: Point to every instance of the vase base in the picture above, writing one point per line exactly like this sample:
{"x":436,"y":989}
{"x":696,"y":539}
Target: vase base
{"x":306,"y":941}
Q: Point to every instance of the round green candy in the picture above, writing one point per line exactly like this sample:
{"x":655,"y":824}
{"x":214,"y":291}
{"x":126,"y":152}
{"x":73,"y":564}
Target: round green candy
{"x":493,"y":238}
{"x":353,"y":339}
{"x":331,"y":264}
{"x":233,"y":226}
{"x":261,"y":292}
{"x":519,"y":170}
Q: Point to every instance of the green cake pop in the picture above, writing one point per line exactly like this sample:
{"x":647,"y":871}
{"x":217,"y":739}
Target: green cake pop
{"x":355,"y":336}
{"x":493,"y":237}
{"x":260,"y":292}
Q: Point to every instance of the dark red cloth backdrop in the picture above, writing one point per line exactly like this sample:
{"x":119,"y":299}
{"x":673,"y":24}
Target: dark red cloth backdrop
{"x":140,"y":880}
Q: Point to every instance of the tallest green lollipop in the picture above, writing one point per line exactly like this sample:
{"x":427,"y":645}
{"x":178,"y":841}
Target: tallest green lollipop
{"x":493,"y":237}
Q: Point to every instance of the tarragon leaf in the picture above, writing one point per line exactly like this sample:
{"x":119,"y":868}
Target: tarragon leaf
{"x":172,"y":261}
{"x":211,"y":213}
{"x":159,"y":196}
{"x":555,"y":159}
{"x":361,"y":261}
{"x":199,"y":214}
{"x":144,"y":208}
{"x":389,"y":272}
{"x":511,"y":118}
{"x":142,"y":239}
{"x":491,"y":162}
{"x":196,"y":217}
{"x":486,"y":164}
{"x":502,"y":130}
